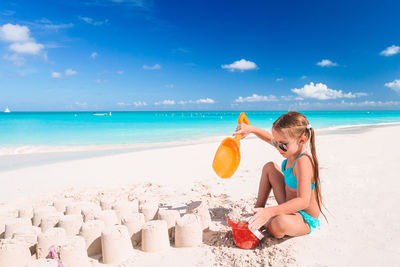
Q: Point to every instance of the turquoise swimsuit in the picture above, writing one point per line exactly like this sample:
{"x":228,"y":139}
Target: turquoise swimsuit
{"x":291,"y":182}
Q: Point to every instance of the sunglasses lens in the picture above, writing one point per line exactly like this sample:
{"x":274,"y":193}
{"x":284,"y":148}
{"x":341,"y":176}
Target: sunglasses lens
{"x":283,"y":147}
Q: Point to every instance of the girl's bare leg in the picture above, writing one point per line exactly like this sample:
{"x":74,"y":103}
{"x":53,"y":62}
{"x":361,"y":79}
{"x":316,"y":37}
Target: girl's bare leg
{"x":271,"y":177}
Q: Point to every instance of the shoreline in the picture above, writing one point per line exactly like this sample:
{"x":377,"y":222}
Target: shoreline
{"x":7,"y":149}
{"x":41,"y":155}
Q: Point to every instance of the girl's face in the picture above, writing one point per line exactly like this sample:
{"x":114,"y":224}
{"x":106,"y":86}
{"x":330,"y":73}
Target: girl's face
{"x":292,"y":145}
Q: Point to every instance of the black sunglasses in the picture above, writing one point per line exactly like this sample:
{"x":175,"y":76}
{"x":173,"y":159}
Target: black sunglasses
{"x":282,"y":146}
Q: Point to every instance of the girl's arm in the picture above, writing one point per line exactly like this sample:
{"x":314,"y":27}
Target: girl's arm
{"x":245,"y":130}
{"x":288,"y":207}
{"x":263,"y":134}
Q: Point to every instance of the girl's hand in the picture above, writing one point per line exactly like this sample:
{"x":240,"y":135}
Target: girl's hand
{"x":243,"y":129}
{"x":260,"y":218}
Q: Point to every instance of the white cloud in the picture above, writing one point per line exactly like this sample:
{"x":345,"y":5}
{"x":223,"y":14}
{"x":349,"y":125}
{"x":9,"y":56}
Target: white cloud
{"x":170,"y":85}
{"x":154,"y":67}
{"x":94,"y":55}
{"x":371,"y":103}
{"x":206,"y":100}
{"x":135,"y":103}
{"x":390,"y":51}
{"x":198,"y":101}
{"x":14,"y":33}
{"x":303,"y":77}
{"x":26,"y":48}
{"x":123,"y":104}
{"x":139,"y":103}
{"x":327,"y":63}
{"x":15,"y":58}
{"x":47,"y":24}
{"x":92,"y":21}
{"x":395,"y":85}
{"x":120,"y":72}
{"x":81,"y":104}
{"x":165,"y":102}
{"x":291,"y":98}
{"x":256,"y":98}
{"x":19,"y":37}
{"x":322,"y":92}
{"x":70,"y":72}
{"x":45,"y":57}
{"x":7,"y":12}
{"x":100,"y":81}
{"x":240,"y":65}
{"x":279,"y":79}
{"x":56,"y":74}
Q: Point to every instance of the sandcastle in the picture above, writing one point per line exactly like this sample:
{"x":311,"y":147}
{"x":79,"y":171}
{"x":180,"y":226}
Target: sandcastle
{"x":61,"y":204}
{"x":71,"y":223}
{"x":50,"y":220}
{"x":14,"y":224}
{"x":106,"y":203}
{"x":188,"y":231}
{"x":134,"y":222}
{"x":39,"y":212}
{"x":200,"y":208}
{"x":155,"y":236}
{"x":89,"y":211}
{"x":124,"y":208}
{"x":14,"y":253}
{"x":73,"y":252}
{"x":3,"y":221}
{"x":109,"y":217}
{"x":116,"y":244}
{"x":73,"y":208}
{"x":29,"y":235}
{"x":149,"y":210}
{"x":170,"y":216}
{"x":91,"y":232}
{"x":9,"y":211}
{"x":25,"y":212}
{"x":53,"y":236}
{"x":83,"y":232}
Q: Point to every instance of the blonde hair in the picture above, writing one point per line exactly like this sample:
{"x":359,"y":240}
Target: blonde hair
{"x":294,"y":124}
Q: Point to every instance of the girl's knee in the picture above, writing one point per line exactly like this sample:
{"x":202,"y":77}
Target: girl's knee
{"x":268,"y":166}
{"x":279,"y":226}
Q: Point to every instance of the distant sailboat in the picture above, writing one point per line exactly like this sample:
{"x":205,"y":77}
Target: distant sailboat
{"x":7,"y":110}
{"x":110,"y":113}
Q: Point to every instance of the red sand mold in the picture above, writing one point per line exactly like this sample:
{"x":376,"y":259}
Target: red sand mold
{"x":242,"y":236}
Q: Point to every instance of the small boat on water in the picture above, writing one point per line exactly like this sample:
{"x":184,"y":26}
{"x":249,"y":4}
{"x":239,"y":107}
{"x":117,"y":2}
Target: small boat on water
{"x":102,"y":114}
{"x":7,"y":110}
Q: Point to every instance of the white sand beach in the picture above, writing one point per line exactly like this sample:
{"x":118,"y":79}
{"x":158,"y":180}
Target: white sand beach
{"x":359,"y":181}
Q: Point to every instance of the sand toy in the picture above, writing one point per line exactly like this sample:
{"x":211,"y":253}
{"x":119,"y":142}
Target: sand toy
{"x":242,"y":235}
{"x":227,"y":157}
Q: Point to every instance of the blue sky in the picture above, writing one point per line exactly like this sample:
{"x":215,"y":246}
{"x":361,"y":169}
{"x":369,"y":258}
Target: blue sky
{"x":199,"y":55}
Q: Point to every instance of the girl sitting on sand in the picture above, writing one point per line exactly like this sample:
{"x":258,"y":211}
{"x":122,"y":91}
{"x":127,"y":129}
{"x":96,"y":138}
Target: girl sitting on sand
{"x":294,"y":183}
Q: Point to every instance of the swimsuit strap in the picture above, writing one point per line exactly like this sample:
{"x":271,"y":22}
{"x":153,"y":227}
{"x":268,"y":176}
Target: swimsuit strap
{"x":297,"y":158}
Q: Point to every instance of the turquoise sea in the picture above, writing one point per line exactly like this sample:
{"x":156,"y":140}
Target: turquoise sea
{"x":85,"y":128}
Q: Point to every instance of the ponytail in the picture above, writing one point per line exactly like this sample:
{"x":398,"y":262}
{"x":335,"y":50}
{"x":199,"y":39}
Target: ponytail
{"x":316,"y":171}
